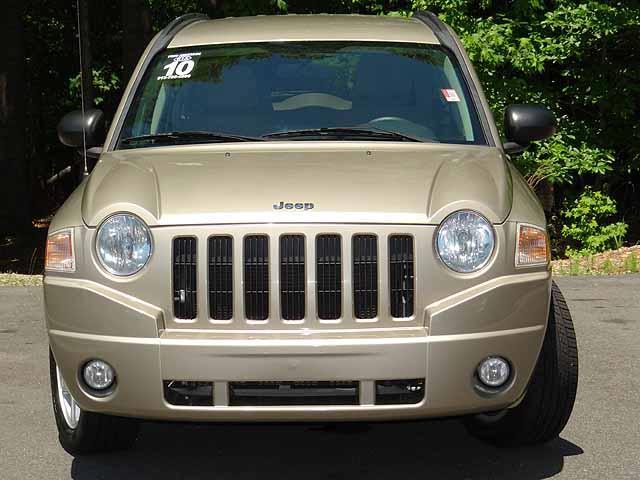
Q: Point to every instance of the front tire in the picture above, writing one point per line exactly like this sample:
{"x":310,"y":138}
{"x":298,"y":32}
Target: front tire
{"x":547,"y":405}
{"x":82,"y":432}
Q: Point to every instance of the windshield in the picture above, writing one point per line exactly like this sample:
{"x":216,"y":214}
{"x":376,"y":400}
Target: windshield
{"x":265,"y":90}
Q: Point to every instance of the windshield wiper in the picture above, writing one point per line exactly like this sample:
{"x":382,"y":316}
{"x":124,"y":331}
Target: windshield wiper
{"x":342,"y":132}
{"x":198,"y":136}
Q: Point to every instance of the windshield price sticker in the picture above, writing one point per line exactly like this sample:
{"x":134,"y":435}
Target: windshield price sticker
{"x":450,"y":95}
{"x":180,"y":66}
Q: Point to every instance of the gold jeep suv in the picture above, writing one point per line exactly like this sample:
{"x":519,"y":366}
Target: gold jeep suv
{"x":305,"y":218}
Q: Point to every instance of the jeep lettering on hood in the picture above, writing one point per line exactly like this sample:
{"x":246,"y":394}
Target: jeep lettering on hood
{"x":291,"y":206}
{"x":214,"y":184}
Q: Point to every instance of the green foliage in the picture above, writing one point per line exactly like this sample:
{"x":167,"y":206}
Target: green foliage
{"x":580,"y":58}
{"x":587,"y":224}
{"x":104,"y":83}
{"x":631,"y":263}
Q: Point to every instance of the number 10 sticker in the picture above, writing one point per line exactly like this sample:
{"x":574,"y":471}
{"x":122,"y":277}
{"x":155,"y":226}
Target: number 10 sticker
{"x":180,"y":66}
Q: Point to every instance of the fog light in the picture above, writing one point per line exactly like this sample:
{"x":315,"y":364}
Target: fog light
{"x":98,"y":375}
{"x":494,"y":372}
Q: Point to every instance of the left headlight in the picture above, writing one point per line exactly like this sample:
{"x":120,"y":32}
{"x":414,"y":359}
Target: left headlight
{"x":123,"y":244}
{"x":465,"y":241}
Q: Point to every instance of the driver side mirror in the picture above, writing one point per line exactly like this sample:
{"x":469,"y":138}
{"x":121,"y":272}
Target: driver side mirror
{"x":75,"y":128}
{"x":525,"y":124}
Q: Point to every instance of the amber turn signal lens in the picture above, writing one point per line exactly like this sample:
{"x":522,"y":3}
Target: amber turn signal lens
{"x":60,"y":256}
{"x":533,"y":246}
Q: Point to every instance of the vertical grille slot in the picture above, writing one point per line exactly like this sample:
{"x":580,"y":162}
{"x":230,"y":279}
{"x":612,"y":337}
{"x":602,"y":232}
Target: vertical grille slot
{"x":329,"y":276}
{"x":221,"y":277}
{"x":184,"y":278}
{"x":256,"y":277}
{"x":292,"y":277}
{"x":365,"y":276}
{"x":401,"y":277}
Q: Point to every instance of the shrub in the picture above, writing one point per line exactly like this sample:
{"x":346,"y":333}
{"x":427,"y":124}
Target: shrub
{"x":631,"y":263}
{"x":587,"y":224}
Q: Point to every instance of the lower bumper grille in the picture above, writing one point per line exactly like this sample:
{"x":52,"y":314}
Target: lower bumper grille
{"x":399,"y":392}
{"x":293,"y":393}
{"x":290,"y":393}
{"x":188,"y":394}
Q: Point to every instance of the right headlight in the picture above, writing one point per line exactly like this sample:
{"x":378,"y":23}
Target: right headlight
{"x":123,"y":244}
{"x":465,"y":241}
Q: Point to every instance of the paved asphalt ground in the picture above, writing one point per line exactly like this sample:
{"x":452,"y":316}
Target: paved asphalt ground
{"x":602,"y":440}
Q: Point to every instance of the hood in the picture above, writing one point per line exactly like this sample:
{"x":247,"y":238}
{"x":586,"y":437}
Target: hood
{"x":309,"y":182}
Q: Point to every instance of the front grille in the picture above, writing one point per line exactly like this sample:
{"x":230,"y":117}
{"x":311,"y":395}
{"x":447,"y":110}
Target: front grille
{"x":256,"y":277}
{"x":401,"y":275}
{"x":365,"y":276}
{"x":329,"y":276}
{"x":184,"y":278}
{"x":221,"y":277}
{"x":292,"y":277}
{"x":341,"y":287}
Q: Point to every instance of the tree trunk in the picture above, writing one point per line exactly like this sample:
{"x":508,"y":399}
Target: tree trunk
{"x":136,"y":33}
{"x":14,"y":184}
{"x":87,"y":61}
{"x":546,"y":194}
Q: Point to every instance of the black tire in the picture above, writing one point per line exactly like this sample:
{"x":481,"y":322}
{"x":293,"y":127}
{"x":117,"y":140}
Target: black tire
{"x":95,"y":432}
{"x":547,"y":405}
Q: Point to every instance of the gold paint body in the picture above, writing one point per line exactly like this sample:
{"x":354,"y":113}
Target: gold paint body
{"x":379,"y":188}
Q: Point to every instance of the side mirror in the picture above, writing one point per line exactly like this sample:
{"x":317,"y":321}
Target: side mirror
{"x":525,"y":124}
{"x":73,"y":128}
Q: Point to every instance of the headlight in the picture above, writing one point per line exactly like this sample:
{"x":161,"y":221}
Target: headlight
{"x":533,"y":246}
{"x":123,"y":244}
{"x":465,"y":241}
{"x":60,"y":256}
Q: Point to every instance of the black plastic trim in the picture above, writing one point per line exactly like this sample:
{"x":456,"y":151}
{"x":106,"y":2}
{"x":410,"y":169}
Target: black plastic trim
{"x":447,"y":40}
{"x":287,"y":393}
{"x":161,"y":42}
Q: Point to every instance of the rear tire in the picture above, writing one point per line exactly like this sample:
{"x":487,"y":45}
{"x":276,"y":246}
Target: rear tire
{"x":547,"y":405}
{"x":88,"y":432}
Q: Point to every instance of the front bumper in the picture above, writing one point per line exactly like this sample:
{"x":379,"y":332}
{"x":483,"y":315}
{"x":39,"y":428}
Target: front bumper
{"x":510,"y":313}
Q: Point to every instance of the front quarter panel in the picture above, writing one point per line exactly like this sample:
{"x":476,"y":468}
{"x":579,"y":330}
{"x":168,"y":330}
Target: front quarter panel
{"x":69,"y":215}
{"x":526,"y":207}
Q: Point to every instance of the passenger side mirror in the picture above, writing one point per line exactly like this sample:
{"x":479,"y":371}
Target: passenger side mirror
{"x":525,"y":124}
{"x":74,"y":126}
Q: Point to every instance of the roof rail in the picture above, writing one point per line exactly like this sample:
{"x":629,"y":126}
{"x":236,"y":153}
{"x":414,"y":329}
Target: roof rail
{"x":177,"y":24}
{"x":161,"y":41}
{"x":447,"y":39}
{"x":439,"y":29}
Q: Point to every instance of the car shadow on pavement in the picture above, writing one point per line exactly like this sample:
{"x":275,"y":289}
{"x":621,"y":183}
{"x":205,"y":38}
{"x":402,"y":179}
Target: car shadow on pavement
{"x":436,"y":449}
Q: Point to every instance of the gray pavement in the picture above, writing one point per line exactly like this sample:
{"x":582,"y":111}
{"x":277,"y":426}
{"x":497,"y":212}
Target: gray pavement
{"x":602,"y":440}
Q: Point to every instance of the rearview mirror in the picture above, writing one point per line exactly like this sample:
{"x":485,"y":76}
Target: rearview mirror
{"x":75,"y":128}
{"x":525,"y":124}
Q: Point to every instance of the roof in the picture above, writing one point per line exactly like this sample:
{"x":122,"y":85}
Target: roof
{"x":304,"y":27}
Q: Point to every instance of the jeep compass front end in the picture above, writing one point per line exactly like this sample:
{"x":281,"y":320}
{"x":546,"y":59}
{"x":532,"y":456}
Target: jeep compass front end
{"x":305,"y":218}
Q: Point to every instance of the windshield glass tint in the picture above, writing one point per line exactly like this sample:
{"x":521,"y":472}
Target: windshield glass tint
{"x":258,"y":89}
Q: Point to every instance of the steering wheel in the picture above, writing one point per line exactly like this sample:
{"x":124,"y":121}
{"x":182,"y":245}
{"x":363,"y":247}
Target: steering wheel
{"x":387,"y":119}
{"x":402,"y":125}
